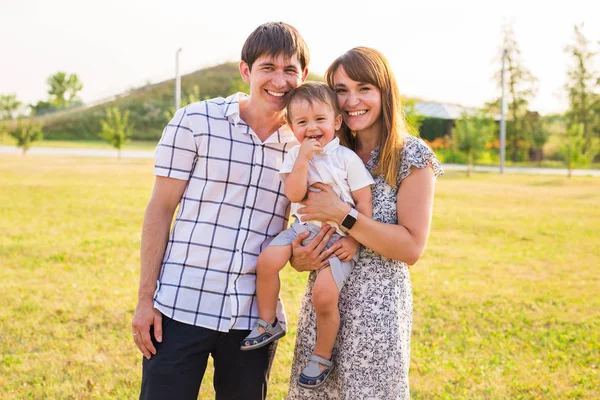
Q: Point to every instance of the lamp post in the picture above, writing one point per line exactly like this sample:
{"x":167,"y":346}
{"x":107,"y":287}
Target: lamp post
{"x":177,"y":81}
{"x":503,"y":117}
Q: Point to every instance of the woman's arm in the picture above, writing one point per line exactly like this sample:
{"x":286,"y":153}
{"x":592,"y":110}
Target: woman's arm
{"x":348,"y":245}
{"x":363,"y":200}
{"x":404,"y":241}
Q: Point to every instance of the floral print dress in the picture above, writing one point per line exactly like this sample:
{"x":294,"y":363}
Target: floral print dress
{"x":372,"y":352}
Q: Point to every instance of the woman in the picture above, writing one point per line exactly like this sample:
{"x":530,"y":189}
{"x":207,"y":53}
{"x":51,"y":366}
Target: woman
{"x":373,"y":347}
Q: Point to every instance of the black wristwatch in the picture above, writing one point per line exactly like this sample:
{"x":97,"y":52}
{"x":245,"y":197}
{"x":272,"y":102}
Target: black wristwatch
{"x":350,"y":219}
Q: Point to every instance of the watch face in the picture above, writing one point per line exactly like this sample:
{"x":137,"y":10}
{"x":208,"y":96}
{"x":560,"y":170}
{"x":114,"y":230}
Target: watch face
{"x":348,"y":221}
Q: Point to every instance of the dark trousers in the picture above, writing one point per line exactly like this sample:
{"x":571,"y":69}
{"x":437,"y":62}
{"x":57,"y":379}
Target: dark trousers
{"x":176,"y":371}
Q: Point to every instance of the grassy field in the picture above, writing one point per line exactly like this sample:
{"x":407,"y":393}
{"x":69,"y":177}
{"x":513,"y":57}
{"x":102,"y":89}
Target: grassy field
{"x":84,"y":144}
{"x":151,"y":145}
{"x":507,"y":296}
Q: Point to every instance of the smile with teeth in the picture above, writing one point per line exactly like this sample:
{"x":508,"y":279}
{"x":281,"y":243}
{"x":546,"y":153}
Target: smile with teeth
{"x":276,"y":94}
{"x":356,"y":113}
{"x":317,"y":137}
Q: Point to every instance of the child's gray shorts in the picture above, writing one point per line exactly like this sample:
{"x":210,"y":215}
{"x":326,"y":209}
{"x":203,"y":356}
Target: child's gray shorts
{"x":340,"y":270}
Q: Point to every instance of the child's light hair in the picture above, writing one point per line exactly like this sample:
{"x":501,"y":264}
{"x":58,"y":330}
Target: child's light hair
{"x":312,"y":92}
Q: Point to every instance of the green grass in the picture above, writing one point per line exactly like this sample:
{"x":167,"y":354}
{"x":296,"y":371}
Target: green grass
{"x":487,"y":159}
{"x":492,"y":159}
{"x":547,"y":164}
{"x":85,"y":144}
{"x":506,"y":297}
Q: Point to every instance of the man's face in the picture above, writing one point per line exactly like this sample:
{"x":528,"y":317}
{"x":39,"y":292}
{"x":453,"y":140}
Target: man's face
{"x":272,"y":78}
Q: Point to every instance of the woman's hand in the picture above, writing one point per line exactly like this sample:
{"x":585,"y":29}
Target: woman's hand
{"x":348,"y":248}
{"x":323,"y":206}
{"x":312,"y":257}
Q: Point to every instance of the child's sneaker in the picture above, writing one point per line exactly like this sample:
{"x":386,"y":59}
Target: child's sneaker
{"x":257,"y":340}
{"x":312,"y":376}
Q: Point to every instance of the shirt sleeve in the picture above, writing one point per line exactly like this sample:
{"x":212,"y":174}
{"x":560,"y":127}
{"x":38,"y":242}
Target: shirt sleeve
{"x":358,"y":175}
{"x":176,"y":152}
{"x":288,"y":161}
{"x":416,"y":153}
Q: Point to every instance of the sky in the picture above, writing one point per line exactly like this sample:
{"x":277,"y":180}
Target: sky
{"x":440,"y":50}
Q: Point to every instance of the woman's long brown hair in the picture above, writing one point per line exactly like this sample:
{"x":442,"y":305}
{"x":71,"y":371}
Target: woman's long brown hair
{"x":367,"y":65}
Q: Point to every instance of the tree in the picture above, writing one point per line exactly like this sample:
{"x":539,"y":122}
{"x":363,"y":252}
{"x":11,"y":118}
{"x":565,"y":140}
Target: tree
{"x":191,"y":97}
{"x":538,"y":135}
{"x":3,"y":132}
{"x":8,"y":105}
{"x":596,"y":110}
{"x":238,"y":85}
{"x":116,"y":128}
{"x":521,"y":88}
{"x":573,"y":149}
{"x":471,"y":133}
{"x":413,"y":118}
{"x":581,"y":86}
{"x":42,"y":107}
{"x":63,"y":89}
{"x":26,"y":133}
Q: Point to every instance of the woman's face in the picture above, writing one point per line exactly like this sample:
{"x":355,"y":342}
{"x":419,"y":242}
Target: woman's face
{"x":360,"y":103}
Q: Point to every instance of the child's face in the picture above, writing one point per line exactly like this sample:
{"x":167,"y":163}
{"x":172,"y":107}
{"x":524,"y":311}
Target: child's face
{"x":314,"y":121}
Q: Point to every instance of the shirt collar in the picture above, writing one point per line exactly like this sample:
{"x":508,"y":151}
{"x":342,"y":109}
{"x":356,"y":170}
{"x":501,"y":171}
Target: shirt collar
{"x":232,"y":108}
{"x":331,"y":146}
{"x":232,"y":112}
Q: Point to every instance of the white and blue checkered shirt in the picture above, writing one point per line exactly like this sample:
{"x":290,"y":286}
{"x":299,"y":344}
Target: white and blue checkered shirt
{"x":233,"y":205}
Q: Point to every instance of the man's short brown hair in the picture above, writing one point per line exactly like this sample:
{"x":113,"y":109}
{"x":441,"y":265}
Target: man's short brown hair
{"x":274,"y":39}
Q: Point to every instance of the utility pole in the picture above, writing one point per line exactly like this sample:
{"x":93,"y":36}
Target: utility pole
{"x":503,"y":117}
{"x":177,"y":81}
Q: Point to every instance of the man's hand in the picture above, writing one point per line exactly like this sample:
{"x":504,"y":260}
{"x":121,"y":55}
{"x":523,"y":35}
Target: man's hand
{"x":312,"y":257}
{"x":348,"y":247}
{"x":144,"y":317}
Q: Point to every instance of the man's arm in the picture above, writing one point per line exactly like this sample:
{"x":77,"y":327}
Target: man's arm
{"x":166,"y":195}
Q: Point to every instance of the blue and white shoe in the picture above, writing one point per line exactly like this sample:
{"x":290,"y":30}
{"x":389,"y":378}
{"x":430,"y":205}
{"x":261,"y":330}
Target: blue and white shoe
{"x":256,"y":340}
{"x":312,"y":376}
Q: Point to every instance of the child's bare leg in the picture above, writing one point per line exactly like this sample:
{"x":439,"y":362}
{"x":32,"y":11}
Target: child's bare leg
{"x":325,"y":300}
{"x":270,"y":261}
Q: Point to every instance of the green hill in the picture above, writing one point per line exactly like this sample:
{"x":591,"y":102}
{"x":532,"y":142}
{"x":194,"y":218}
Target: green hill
{"x":150,"y":106}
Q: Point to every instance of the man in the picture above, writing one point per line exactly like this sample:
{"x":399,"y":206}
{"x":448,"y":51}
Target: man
{"x":218,"y":160}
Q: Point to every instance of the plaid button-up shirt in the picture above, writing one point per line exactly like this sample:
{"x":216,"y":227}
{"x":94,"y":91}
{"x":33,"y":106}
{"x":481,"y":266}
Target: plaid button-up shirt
{"x":233,"y":205}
